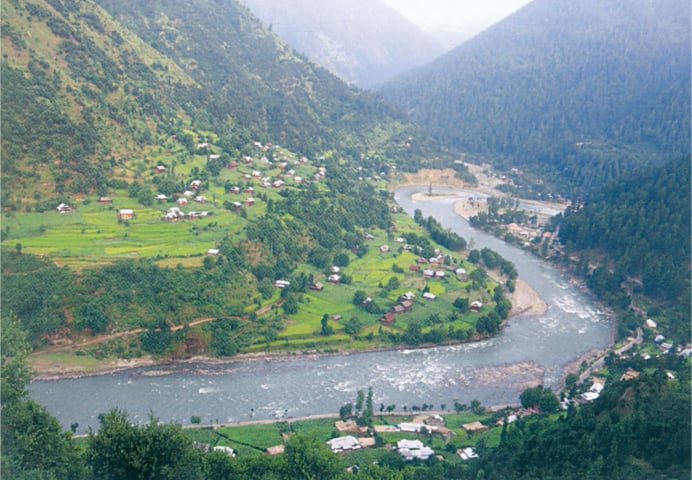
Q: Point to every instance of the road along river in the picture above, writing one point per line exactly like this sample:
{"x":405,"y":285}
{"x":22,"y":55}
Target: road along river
{"x":531,"y":349}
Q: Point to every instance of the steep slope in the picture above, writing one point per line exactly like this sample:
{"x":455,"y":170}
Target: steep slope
{"x":583,"y":91}
{"x":253,"y":81}
{"x":79,"y":96}
{"x":362,"y":41}
{"x":85,"y":93}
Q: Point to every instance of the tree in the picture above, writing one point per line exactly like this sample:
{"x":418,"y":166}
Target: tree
{"x":310,"y":459}
{"x":123,"y":451}
{"x":326,"y":328}
{"x":32,"y":442}
{"x":352,"y":326}
{"x":359,"y":297}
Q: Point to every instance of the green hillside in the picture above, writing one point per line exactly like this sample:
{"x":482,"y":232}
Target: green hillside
{"x":90,"y":96}
{"x":580,"y":93}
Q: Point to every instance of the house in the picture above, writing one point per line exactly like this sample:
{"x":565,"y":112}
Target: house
{"x":196,"y":184}
{"x":414,"y":268}
{"x":387,"y":318}
{"x":188,"y":193}
{"x":173,"y":214}
{"x":460,"y":272}
{"x":411,"y":427}
{"x":234,"y":190}
{"x":281,"y":283}
{"x":429,"y":296}
{"x":335,"y":269}
{"x":214,"y":156}
{"x":476,"y":306}
{"x":428,"y":273}
{"x":297,"y":179}
{"x":439,"y":274}
{"x":413,"y":449}
{"x":370,"y":236}
{"x":160,"y":197}
{"x":200,"y":199}
{"x":105,"y":200}
{"x":182,"y":201}
{"x":317,"y":287}
{"x":249,"y":202}
{"x":126,"y":214}
{"x":334,"y":278}
{"x":227,"y":450}
{"x":248,"y":190}
{"x":410,"y":296}
{"x":63,"y":208}
{"x":467,"y":453}
{"x":384,"y":248}
{"x":341,"y":444}
{"x":474,"y":427}
{"x":650,"y":323}
{"x":160,"y":169}
{"x":214,"y":251}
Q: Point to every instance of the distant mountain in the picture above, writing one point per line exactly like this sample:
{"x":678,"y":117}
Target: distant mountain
{"x":581,"y":92}
{"x":88,"y":86}
{"x":364,"y":42}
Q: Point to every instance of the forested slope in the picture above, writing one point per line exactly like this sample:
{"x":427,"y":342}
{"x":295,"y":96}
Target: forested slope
{"x":582,"y":92}
{"x":640,"y":229}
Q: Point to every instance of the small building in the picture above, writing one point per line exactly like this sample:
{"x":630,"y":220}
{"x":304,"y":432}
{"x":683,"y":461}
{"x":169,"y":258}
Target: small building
{"x":428,"y":273}
{"x":160,"y":197}
{"x":281,"y":283}
{"x":275,"y":450}
{"x":429,"y":296}
{"x":126,"y":214}
{"x":160,"y":169}
{"x":412,"y":427}
{"x":249,"y":202}
{"x":105,"y":200}
{"x":384,"y":248}
{"x":200,"y":199}
{"x":413,"y":449}
{"x":334,"y":278}
{"x":341,"y":444}
{"x":234,"y":190}
{"x":467,"y":453}
{"x":387,"y":318}
{"x":182,"y":201}
{"x":227,"y":450}
{"x":474,"y":427}
{"x":317,"y":286}
{"x":214,"y":252}
{"x":476,"y":306}
{"x":650,"y":323}
{"x":63,"y":208}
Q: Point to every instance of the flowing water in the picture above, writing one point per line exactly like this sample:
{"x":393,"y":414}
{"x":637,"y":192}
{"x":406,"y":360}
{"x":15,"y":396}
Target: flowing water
{"x":531,"y":349}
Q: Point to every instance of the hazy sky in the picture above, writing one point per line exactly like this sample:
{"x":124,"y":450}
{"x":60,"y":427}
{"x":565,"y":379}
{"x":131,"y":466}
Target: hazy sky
{"x":461,"y":17}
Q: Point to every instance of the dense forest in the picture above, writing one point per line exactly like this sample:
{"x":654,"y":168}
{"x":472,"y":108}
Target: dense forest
{"x":580,"y":94}
{"x":638,"y":231}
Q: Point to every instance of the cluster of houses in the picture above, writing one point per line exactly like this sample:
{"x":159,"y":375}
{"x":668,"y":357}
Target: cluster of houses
{"x":405,"y":304}
{"x":408,"y":449}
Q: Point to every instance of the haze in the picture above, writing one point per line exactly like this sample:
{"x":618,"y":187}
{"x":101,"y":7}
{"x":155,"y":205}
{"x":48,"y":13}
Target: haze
{"x":453,"y":21}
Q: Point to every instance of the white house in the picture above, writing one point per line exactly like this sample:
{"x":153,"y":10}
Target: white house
{"x":429,"y":296}
{"x":467,"y":453}
{"x":227,"y":450}
{"x":413,"y":449}
{"x":340,"y":444}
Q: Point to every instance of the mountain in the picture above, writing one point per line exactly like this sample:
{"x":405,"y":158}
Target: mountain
{"x":364,"y":42}
{"x":580,"y":92}
{"x":89,"y":87}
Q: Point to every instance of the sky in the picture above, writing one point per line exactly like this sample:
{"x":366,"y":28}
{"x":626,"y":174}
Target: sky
{"x":451,"y":20}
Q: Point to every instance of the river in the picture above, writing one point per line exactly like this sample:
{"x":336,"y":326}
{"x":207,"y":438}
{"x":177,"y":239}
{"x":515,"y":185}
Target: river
{"x":530,"y":349}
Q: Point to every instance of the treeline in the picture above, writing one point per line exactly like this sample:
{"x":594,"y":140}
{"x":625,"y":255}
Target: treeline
{"x":444,"y":236}
{"x":641,"y":228}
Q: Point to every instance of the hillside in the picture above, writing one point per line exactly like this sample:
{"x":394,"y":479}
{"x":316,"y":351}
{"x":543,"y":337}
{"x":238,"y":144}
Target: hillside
{"x":364,"y":42}
{"x":638,"y":232}
{"x":581,"y":92}
{"x":87,"y":95}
